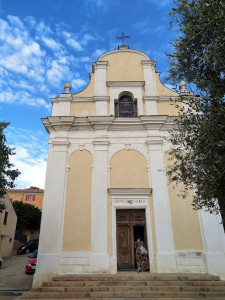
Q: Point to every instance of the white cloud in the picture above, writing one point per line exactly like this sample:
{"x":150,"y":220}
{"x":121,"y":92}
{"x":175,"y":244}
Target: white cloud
{"x":23,"y":97}
{"x":76,"y":83}
{"x":86,"y":38}
{"x":43,"y":29}
{"x":56,"y":73}
{"x":74,"y":44}
{"x":31,"y":147}
{"x":51,"y":43}
{"x":32,"y":170}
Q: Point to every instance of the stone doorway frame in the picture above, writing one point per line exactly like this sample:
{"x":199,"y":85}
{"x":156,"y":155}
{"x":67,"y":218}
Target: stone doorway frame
{"x":131,"y":198}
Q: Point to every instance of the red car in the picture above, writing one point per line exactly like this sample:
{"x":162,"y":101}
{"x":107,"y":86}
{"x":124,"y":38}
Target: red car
{"x":31,"y":263}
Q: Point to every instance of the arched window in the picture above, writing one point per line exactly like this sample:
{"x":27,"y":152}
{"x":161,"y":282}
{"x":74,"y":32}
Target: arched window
{"x":126,"y":107}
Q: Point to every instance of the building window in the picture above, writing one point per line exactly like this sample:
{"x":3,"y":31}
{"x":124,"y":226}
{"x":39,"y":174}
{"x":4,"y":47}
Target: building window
{"x":126,"y":107}
{"x":30,"y":197}
{"x":5,"y":218}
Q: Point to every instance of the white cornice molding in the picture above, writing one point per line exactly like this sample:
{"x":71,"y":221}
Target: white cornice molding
{"x":126,"y":51}
{"x":82,"y":99}
{"x":150,"y":63}
{"x":99,"y":65}
{"x":60,"y":143}
{"x":101,"y":98}
{"x":160,"y":98}
{"x":150,"y":98}
{"x":107,"y":98}
{"x":71,"y":123}
{"x":125,"y":83}
{"x":168,"y":98}
{"x":130,"y":191}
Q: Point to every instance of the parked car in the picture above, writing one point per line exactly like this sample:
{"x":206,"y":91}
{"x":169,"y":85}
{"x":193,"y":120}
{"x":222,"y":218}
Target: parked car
{"x":31,"y":263}
{"x":28,"y":247}
{"x":1,"y":262}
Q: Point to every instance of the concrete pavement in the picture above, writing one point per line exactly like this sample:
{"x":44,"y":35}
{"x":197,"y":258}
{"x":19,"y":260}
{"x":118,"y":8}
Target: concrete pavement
{"x":13,"y":280}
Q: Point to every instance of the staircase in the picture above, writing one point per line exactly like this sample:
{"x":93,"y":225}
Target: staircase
{"x":131,"y":285}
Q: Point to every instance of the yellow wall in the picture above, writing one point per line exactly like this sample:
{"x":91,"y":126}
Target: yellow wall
{"x":168,"y":108}
{"x":77,"y":225}
{"x":129,"y":170}
{"x":162,"y":90}
{"x":21,"y":196}
{"x":186,"y":228}
{"x":124,"y":67}
{"x":82,"y":109}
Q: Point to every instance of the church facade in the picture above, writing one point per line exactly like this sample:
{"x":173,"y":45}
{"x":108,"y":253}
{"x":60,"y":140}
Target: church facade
{"x":106,"y":180}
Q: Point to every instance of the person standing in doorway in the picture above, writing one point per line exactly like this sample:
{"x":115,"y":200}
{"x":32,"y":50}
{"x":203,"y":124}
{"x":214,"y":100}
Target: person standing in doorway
{"x":141,"y":256}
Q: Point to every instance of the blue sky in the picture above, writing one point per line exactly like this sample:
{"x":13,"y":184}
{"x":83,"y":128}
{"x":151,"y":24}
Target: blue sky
{"x":44,"y":44}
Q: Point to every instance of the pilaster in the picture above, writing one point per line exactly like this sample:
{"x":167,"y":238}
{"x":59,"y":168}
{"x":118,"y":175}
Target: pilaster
{"x":150,"y":87}
{"x":52,"y":216}
{"x":101,"y":105}
{"x":165,"y":257}
{"x":100,"y":261}
{"x":100,"y":77}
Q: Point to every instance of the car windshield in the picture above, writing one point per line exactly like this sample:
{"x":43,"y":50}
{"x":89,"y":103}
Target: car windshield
{"x":34,"y":255}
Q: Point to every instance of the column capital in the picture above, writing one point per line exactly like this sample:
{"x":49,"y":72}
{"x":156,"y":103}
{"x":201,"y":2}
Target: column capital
{"x":60,"y":146}
{"x":148,"y":63}
{"x":99,"y":65}
{"x":101,"y":145}
{"x":155,"y":143}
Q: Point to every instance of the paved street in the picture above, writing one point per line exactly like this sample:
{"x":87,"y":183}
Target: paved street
{"x":13,"y":280}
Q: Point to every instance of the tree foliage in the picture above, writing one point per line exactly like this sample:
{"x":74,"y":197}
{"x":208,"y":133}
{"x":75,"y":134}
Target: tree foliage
{"x":7,"y":173}
{"x":28,"y":216}
{"x":199,"y":134}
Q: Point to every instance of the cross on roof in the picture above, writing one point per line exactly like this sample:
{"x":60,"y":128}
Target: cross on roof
{"x":123,"y":37}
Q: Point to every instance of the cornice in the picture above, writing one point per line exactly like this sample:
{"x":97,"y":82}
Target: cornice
{"x":126,"y":51}
{"x":146,"y":63}
{"x":150,"y":98}
{"x":110,"y":123}
{"x":125,"y":83}
{"x":130,"y":191}
{"x":101,"y":98}
{"x":99,"y":65}
{"x":160,"y":98}
{"x":82,"y":99}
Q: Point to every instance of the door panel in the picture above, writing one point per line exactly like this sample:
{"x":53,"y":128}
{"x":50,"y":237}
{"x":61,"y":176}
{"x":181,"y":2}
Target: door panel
{"x":124,"y":251}
{"x":126,"y":221}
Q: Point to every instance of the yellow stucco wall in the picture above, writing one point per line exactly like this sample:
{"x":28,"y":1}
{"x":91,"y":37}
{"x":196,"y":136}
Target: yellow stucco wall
{"x":168,"y":108}
{"x":128,"y":170}
{"x":124,"y":67}
{"x":162,"y":90}
{"x":186,"y":228}
{"x":82,"y":109}
{"x":21,"y":196}
{"x":77,"y":224}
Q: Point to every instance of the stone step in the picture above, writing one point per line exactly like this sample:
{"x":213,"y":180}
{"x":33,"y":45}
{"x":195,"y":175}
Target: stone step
{"x":133,"y":298}
{"x":134,"y":286}
{"x":122,"y":295}
{"x":141,"y":277}
{"x":133,"y":283}
{"x":133,"y":289}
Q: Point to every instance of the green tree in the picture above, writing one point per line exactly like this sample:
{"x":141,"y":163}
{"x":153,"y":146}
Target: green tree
{"x":198,"y":137}
{"x":7,"y":173}
{"x":28,"y":216}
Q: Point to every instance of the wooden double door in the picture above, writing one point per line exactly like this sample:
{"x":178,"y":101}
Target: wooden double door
{"x":130,"y":223}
